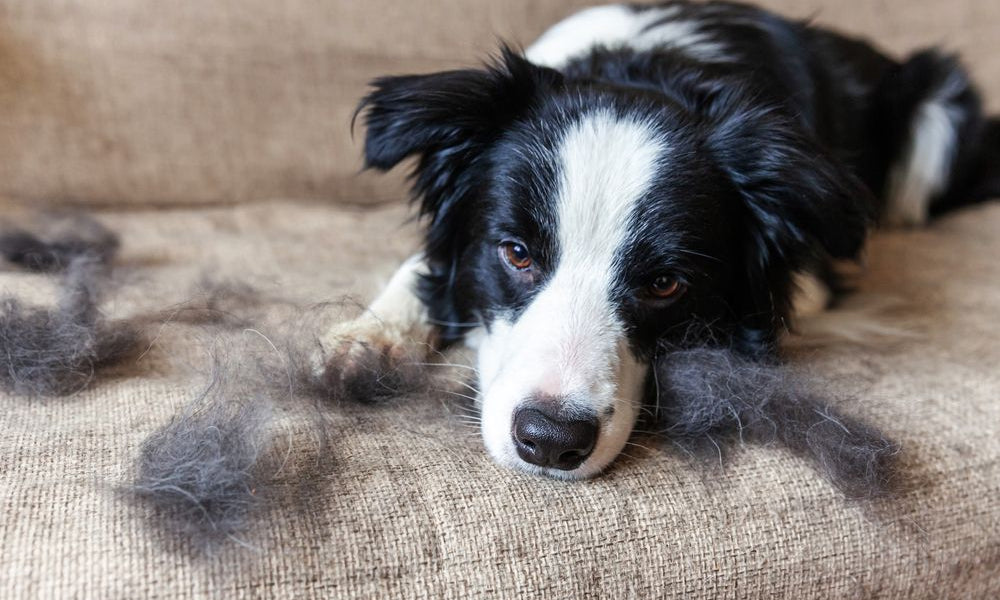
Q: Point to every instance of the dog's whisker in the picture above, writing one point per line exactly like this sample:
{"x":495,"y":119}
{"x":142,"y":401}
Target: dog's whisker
{"x":656,"y":387}
{"x":442,"y":364}
{"x":468,"y":429}
{"x":471,"y":388}
{"x":460,"y":395}
{"x":468,"y":426}
{"x":649,"y":411}
{"x":693,"y":253}
{"x":467,"y":414}
{"x":467,"y":419}
{"x":646,"y":448}
{"x":683,"y":449}
{"x":453,"y":323}
{"x":457,"y":381}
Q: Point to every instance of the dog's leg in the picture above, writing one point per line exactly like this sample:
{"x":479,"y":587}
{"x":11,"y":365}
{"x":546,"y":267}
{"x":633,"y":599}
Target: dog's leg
{"x":394,"y":327}
{"x":810,"y":296}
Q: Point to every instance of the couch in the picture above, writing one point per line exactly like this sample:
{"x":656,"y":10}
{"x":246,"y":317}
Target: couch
{"x":214,"y":137}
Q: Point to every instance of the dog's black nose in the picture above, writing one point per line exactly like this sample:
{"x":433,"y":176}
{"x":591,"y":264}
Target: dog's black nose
{"x":548,"y":442}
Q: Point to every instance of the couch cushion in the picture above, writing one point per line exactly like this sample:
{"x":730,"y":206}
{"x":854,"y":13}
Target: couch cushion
{"x":125,"y":102}
{"x":408,"y":505}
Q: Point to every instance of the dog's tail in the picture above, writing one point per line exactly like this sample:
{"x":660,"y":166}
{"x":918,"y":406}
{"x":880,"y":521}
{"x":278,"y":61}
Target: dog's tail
{"x":982,"y":181}
{"x":947,"y":153}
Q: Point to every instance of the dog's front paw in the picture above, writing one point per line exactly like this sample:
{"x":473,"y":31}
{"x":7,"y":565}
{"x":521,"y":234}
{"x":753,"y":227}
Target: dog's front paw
{"x":366,"y":360}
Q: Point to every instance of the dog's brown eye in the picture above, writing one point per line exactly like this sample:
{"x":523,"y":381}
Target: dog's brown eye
{"x":664,"y":287}
{"x":516,"y":255}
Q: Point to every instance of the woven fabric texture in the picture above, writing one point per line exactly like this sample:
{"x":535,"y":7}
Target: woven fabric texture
{"x":412,"y":507}
{"x":112,"y":102}
{"x":155,"y":112}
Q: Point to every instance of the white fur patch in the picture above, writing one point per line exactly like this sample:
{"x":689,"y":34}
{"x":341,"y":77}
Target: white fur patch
{"x":924,"y":170}
{"x":810,"y":296}
{"x":618,"y":26}
{"x":395,"y":322}
{"x":569,"y":342}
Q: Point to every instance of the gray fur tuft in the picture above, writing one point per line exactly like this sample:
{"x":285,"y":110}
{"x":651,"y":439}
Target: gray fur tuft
{"x":710,"y":395}
{"x":212,"y":467}
{"x":72,"y":238}
{"x":57,"y":351}
{"x":202,"y":473}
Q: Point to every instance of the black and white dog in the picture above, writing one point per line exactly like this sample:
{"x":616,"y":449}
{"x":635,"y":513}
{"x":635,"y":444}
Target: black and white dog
{"x":640,"y":173}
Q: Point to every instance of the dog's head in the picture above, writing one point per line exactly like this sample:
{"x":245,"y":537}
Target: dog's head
{"x":582,"y":224}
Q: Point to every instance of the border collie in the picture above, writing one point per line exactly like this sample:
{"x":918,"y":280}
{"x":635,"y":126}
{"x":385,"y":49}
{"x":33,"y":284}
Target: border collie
{"x":646,"y":176}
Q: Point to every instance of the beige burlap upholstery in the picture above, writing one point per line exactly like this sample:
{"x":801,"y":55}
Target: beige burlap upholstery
{"x":130,"y":104}
{"x":412,"y":507}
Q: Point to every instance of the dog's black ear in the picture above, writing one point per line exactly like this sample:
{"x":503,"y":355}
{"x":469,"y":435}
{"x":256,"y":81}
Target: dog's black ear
{"x":447,"y":119}
{"x":801,"y":204}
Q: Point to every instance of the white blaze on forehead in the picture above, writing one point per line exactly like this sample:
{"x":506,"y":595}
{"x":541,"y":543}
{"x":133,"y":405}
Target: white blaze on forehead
{"x":607,"y":164}
{"x":620,"y":26}
{"x":570,"y":343}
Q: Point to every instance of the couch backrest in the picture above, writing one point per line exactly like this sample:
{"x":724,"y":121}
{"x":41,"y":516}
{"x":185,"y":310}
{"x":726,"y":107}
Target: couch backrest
{"x":138,"y":102}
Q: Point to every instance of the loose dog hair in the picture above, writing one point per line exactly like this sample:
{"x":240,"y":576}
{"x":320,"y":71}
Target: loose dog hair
{"x":710,"y":397}
{"x":57,"y":351}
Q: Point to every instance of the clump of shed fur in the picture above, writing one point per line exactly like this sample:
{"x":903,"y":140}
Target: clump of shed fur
{"x":68,"y":239}
{"x":204,"y":472}
{"x":207,"y":472}
{"x":56,"y":351}
{"x":209,"y":469}
{"x":708,"y":396}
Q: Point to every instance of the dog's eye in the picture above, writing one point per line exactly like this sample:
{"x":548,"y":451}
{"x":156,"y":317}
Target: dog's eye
{"x":516,"y":255}
{"x":664,"y":287}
